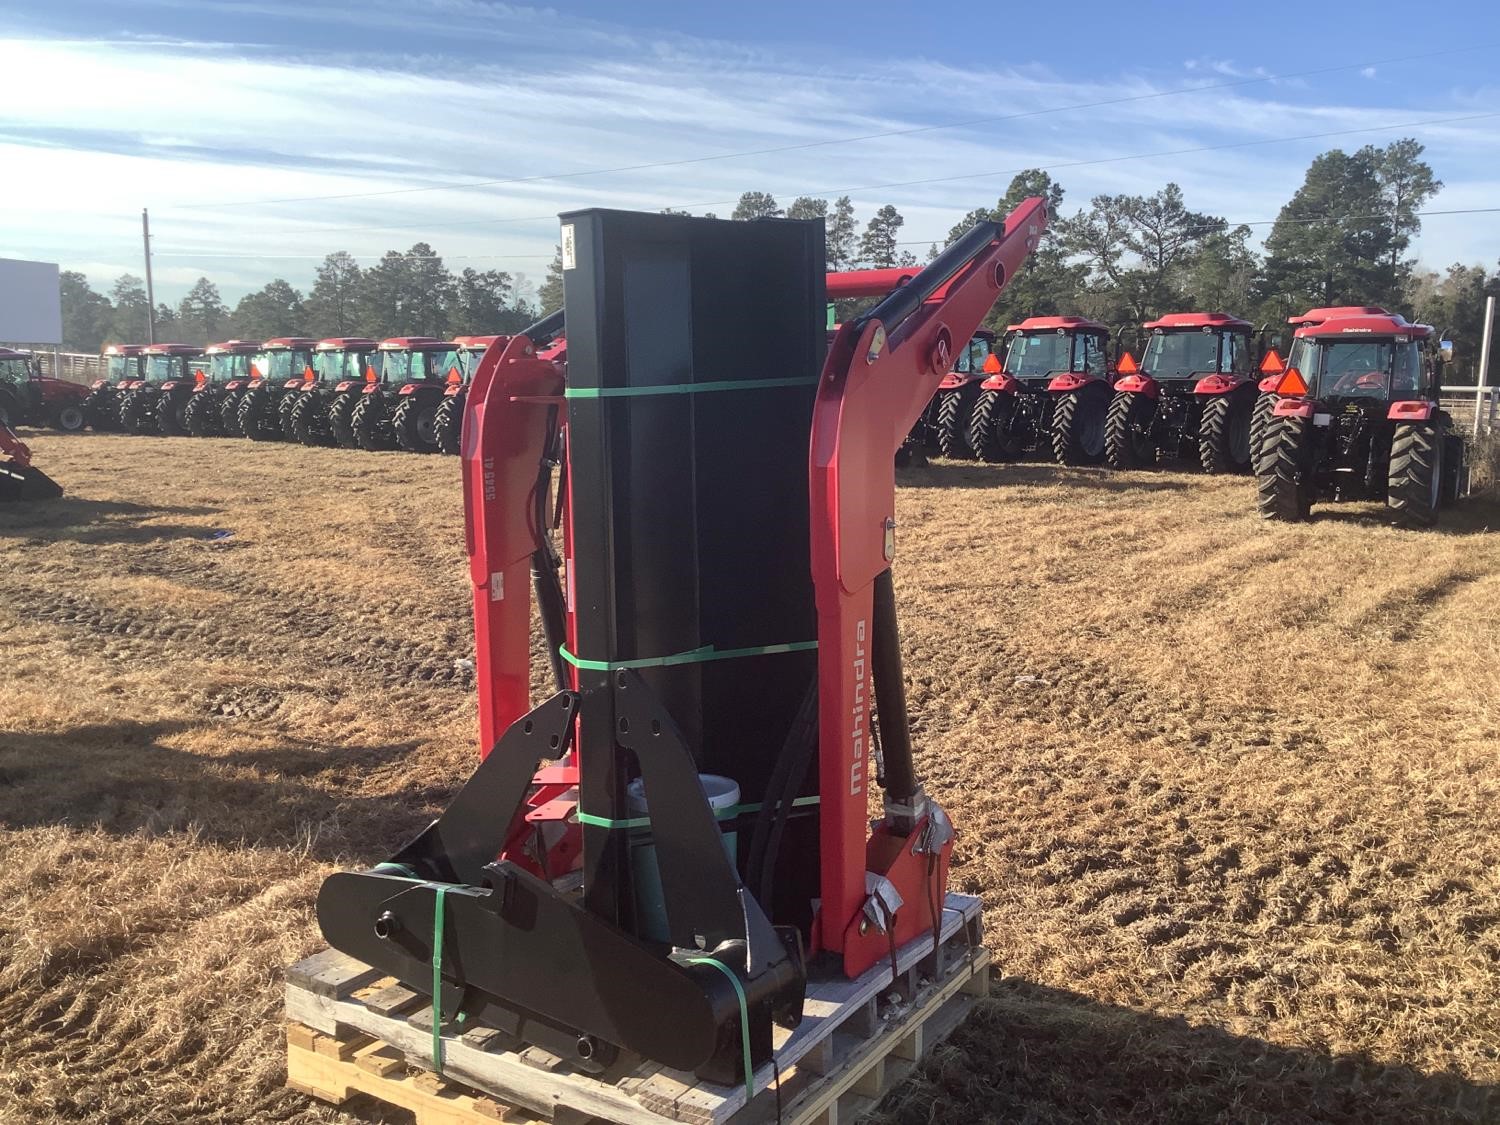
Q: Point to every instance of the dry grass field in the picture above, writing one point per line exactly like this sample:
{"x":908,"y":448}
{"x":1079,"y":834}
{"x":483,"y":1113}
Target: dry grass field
{"x":1229,"y":791}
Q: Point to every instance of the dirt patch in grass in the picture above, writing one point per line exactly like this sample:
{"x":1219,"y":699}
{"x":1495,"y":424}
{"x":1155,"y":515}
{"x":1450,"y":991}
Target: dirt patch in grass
{"x":1227,"y":790}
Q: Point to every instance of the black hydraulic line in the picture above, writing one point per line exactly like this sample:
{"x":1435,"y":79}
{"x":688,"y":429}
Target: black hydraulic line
{"x":551,"y":606}
{"x":792,"y":764}
{"x":907,"y":299}
{"x":890,"y":693}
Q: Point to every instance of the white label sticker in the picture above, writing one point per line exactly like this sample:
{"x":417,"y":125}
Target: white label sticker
{"x":497,"y":586}
{"x":569,"y":248}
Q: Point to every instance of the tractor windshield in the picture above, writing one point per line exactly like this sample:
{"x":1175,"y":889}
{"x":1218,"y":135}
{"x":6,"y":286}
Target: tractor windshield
{"x":222,"y":368}
{"x":471,"y":358}
{"x":410,"y":367}
{"x":1176,"y":355}
{"x":972,"y":358}
{"x":13,"y":370}
{"x":337,"y":367}
{"x":1039,"y":354}
{"x":446,"y":363}
{"x":123,"y":367}
{"x":160,"y":368}
{"x":1361,"y":367}
{"x":279,"y":366}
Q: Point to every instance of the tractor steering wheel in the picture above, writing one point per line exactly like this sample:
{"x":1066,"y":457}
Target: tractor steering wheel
{"x":1364,"y":380}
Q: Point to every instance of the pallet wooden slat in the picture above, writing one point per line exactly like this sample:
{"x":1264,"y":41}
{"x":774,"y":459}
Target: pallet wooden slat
{"x":353,"y":1030}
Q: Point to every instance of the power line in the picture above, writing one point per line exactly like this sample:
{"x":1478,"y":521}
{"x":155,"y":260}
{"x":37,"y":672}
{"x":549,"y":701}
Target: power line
{"x":803,"y":145}
{"x":944,"y":179}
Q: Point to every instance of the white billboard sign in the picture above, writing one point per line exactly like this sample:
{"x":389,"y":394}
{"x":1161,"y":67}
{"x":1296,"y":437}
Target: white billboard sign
{"x":30,"y":302}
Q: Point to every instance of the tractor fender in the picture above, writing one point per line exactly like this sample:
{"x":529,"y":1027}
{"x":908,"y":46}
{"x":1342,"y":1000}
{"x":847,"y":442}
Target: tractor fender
{"x":1002,"y":382}
{"x":1138,"y":384}
{"x":97,"y":383}
{"x":371,"y":388}
{"x":169,"y":386}
{"x":234,"y":384}
{"x":1217,"y":385}
{"x":1066,"y":381}
{"x":340,"y":388}
{"x":1414,"y":410}
{"x":951,"y":381}
{"x":453,"y":389}
{"x":255,"y":383}
{"x":1268,"y":385}
{"x":1293,"y":408}
{"x":291,"y":384}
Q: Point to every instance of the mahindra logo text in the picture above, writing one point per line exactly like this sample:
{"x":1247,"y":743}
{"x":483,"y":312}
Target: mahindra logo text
{"x":857,"y":762}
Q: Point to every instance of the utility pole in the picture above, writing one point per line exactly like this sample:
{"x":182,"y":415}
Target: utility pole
{"x":150,"y":292}
{"x":1484,"y":361}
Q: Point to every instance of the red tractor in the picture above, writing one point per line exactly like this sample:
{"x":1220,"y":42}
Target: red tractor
{"x":398,"y":406}
{"x":228,"y":367}
{"x":1192,"y":396}
{"x":154,"y":404}
{"x":280,"y":369}
{"x":1050,"y":396}
{"x":124,"y":363}
{"x":29,"y":398}
{"x":945,"y":421}
{"x":339,"y":366}
{"x":1357,"y":417}
{"x":447,"y":423}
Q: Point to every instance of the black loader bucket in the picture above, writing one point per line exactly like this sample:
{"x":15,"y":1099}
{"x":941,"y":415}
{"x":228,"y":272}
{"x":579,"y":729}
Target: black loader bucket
{"x":26,"y":483}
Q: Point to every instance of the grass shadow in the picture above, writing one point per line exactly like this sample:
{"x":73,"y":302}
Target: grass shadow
{"x":124,"y":778}
{"x":78,"y":520}
{"x":1477,"y":515}
{"x":1013,"y":474}
{"x":1038,"y":1054}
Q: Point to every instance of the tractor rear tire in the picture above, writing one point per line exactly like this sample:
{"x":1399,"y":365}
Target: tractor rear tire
{"x":306,"y":426}
{"x":1225,"y":444}
{"x":229,"y":414}
{"x":1080,"y":421}
{"x":1455,"y":469}
{"x":341,"y":419}
{"x":1414,"y":489}
{"x":372,"y":430}
{"x":257,"y":420}
{"x":135,"y":418}
{"x":102,"y":410}
{"x":448,"y":424}
{"x":954,"y":407}
{"x":989,"y":426}
{"x":68,"y":417}
{"x":284,"y":407}
{"x":415,"y":424}
{"x":169,"y":420}
{"x":201,"y":414}
{"x":1283,"y":479}
{"x":1127,"y":431}
{"x":1260,"y":421}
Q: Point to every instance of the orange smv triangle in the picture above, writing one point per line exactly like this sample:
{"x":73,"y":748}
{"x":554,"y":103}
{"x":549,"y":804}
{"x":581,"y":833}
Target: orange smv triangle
{"x":992,"y":364}
{"x":369,"y":375}
{"x":1292,"y":383}
{"x":1127,"y":364}
{"x":1273,"y":364}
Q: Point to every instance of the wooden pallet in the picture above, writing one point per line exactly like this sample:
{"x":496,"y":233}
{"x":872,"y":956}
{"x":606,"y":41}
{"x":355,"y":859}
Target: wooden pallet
{"x":352,"y":1031}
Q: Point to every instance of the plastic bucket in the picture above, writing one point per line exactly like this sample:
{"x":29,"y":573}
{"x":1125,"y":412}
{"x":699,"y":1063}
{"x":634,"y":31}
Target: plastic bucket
{"x":723,"y":795}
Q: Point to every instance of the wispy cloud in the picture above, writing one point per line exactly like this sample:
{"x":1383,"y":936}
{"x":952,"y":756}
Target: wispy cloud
{"x":451,"y":91}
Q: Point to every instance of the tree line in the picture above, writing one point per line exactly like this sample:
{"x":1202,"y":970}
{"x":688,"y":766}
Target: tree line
{"x":1343,"y":238}
{"x":406,"y":293}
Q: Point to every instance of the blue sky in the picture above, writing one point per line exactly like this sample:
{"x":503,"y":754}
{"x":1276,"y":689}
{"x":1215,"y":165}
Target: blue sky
{"x":206,"y":111}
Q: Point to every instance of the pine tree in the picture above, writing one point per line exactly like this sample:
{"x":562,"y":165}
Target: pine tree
{"x":877,"y":246}
{"x":85,"y":314}
{"x":128,"y":320}
{"x":333,"y":305}
{"x":757,"y":205}
{"x":276,"y":310}
{"x":842,"y":245}
{"x":202,"y":316}
{"x":550,"y":295}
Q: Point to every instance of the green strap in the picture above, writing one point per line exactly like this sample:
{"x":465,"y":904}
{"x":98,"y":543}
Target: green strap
{"x":739,"y":990}
{"x":437,"y":979}
{"x":720,"y":814}
{"x":692,"y":656}
{"x":687,"y":388}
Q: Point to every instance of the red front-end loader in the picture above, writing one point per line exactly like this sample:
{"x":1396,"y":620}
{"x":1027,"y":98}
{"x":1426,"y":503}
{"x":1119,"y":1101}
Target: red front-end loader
{"x":29,"y":398}
{"x":19,"y":478}
{"x":674,"y":852}
{"x":1192,"y":397}
{"x":123,"y":365}
{"x":1049,"y":396}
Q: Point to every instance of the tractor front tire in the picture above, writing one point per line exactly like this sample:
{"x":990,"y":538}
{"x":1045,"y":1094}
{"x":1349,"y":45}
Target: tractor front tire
{"x":989,"y":426}
{"x":1080,"y":421}
{"x":284,"y":407}
{"x":415,"y":425}
{"x":1260,"y":421}
{"x":448,"y":424}
{"x":341,"y":419}
{"x":1414,"y":488}
{"x":229,"y":414}
{"x":1225,"y":444}
{"x":372,"y":430}
{"x":101,"y":410}
{"x":135,"y":416}
{"x":169,"y":420}
{"x":257,"y":416}
{"x":954,"y":407}
{"x":1283,"y":479}
{"x":68,"y":417}
{"x":307,"y":428}
{"x":1127,"y":431}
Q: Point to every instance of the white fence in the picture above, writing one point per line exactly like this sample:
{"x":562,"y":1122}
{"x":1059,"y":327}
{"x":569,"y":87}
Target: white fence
{"x":76,"y":367}
{"x":1463,"y":402}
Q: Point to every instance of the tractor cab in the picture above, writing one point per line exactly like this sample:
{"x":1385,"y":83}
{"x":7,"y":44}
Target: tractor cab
{"x":27,"y":397}
{"x":16,"y":368}
{"x":447,"y":423}
{"x":340,"y":362}
{"x":281,"y":367}
{"x":1192,"y":396}
{"x":154,"y":404}
{"x":398,"y":407}
{"x":283,"y":362}
{"x":227,"y":371}
{"x":229,"y":363}
{"x":412,"y":359}
{"x":16,"y":372}
{"x":123,"y":364}
{"x":1355,"y":415}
